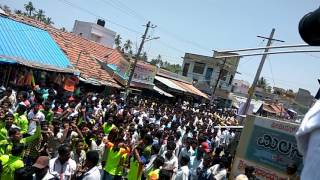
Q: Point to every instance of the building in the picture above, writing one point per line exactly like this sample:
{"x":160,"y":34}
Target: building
{"x":304,"y":97}
{"x":240,"y":86}
{"x":95,"y":32}
{"x":205,"y":70}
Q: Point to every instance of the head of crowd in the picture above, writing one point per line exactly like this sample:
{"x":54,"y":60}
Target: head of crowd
{"x":46,"y":134}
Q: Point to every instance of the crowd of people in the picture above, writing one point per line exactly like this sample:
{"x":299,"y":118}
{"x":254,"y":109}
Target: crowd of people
{"x":45,"y":134}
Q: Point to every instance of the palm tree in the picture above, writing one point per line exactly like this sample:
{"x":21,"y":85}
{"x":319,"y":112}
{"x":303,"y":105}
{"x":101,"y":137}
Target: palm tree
{"x":128,"y":45}
{"x":48,"y":21}
{"x":29,"y":8}
{"x":117,"y":41}
{"x":6,"y":9}
{"x":40,"y":15}
{"x":157,"y":61}
{"x":18,"y":12}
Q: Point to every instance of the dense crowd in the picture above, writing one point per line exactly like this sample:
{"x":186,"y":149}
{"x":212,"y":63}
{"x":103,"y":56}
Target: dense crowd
{"x":45,"y":134}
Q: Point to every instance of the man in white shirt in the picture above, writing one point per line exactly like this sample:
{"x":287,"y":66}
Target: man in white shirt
{"x":219,"y":171}
{"x":171,"y":161}
{"x":183,"y":172}
{"x":92,"y":171}
{"x":195,"y":162}
{"x":35,"y":113}
{"x":63,"y":167}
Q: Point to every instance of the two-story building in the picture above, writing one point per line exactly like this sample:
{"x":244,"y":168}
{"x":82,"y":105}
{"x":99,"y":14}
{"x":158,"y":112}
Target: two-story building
{"x":240,"y":87}
{"x":205,"y":70}
{"x":96,"y":32}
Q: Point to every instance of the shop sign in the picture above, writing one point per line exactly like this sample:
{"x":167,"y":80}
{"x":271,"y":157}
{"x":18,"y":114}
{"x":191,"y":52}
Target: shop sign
{"x":269,"y":144}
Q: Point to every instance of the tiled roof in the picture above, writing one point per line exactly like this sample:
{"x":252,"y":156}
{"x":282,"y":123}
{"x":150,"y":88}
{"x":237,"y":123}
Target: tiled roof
{"x":73,"y":45}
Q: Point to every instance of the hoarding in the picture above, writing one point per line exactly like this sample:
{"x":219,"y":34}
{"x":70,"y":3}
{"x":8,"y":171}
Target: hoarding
{"x":269,"y":145}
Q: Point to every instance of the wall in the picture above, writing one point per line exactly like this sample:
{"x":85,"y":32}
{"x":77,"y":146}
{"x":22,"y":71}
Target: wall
{"x":211,"y":62}
{"x":95,"y":33}
{"x":304,"y":97}
{"x":240,"y":86}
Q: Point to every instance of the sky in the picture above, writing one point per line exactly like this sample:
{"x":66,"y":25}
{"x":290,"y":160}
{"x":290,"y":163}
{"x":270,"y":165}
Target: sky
{"x":201,"y":26}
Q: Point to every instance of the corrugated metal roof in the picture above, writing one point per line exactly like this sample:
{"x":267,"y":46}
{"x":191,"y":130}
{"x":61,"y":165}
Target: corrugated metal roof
{"x":162,"y":92}
{"x":169,"y":83}
{"x":30,"y":44}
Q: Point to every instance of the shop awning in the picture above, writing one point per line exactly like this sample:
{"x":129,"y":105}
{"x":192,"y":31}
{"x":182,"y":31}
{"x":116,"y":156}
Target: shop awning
{"x":30,"y":46}
{"x":162,"y":92}
{"x":191,"y":89}
{"x":181,"y":86}
{"x":169,"y":83}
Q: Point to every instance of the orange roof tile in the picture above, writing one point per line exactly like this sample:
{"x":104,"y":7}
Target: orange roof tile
{"x":73,"y":45}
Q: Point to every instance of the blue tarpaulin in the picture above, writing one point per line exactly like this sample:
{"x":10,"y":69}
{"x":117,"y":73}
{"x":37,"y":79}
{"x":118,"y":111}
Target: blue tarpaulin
{"x":28,"y":45}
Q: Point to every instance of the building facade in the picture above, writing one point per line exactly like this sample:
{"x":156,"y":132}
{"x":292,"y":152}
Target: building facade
{"x":304,"y":97}
{"x":95,"y":32}
{"x":240,"y":86}
{"x":205,"y":70}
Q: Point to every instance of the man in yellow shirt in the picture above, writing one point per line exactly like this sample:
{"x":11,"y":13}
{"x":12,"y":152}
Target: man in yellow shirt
{"x":11,"y":163}
{"x":21,"y":120}
{"x":15,"y":137}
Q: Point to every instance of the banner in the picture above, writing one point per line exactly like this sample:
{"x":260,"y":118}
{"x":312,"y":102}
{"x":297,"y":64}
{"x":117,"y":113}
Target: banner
{"x":268,"y":145}
{"x":144,"y":73}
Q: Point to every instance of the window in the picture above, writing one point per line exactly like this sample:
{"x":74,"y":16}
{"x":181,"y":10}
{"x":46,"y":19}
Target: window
{"x":209,"y":73}
{"x":198,"y":68}
{"x":185,"y":69}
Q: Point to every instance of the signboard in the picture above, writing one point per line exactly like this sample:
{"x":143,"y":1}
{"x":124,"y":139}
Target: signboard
{"x":144,"y":73}
{"x":269,"y":145}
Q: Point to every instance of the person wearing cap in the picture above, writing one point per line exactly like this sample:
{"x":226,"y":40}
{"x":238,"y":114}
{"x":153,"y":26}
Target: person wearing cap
{"x":42,"y":169}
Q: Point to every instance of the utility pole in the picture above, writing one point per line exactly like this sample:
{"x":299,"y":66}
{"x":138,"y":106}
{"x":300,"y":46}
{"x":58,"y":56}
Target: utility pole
{"x":256,"y":78}
{"x":219,"y":77}
{"x":144,"y":36}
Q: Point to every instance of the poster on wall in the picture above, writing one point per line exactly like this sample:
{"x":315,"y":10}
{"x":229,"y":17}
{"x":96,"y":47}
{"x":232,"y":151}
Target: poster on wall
{"x":144,"y":73}
{"x":269,"y":145}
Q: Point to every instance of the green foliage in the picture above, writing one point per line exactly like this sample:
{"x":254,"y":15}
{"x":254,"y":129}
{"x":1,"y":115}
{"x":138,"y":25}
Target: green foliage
{"x":175,"y":68}
{"x":117,"y":41}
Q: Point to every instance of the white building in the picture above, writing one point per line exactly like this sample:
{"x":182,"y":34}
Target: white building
{"x":240,"y":86}
{"x":205,"y":70}
{"x":95,"y":32}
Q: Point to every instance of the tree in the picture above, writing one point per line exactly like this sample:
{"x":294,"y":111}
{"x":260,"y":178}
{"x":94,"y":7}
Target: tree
{"x":48,"y":21}
{"x":117,"y":41}
{"x":18,"y":12}
{"x":40,"y":15}
{"x":6,"y":9}
{"x":157,"y":61}
{"x":128,"y":45}
{"x":262,"y":83}
{"x":29,"y":8}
